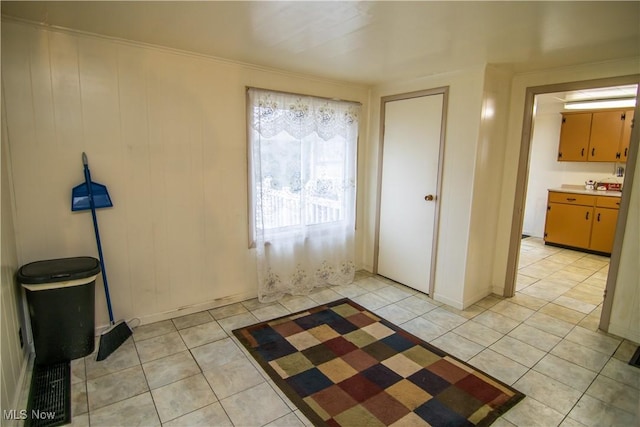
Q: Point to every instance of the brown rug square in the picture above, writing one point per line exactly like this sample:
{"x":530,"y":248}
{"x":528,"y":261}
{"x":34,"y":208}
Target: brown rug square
{"x":344,"y":366}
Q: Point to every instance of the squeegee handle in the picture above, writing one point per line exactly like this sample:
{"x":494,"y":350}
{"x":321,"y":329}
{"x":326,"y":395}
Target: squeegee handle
{"x":87,"y":178}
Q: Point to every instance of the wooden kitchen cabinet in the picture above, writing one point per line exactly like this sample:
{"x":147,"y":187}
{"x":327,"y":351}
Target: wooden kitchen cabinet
{"x":581,"y":221}
{"x":568,"y":224}
{"x":626,"y":136}
{"x":574,"y":137}
{"x":596,"y":136}
{"x":606,"y":131}
{"x":603,"y":230}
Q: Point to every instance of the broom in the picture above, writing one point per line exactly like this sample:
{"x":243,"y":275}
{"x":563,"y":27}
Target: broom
{"x":91,"y":195}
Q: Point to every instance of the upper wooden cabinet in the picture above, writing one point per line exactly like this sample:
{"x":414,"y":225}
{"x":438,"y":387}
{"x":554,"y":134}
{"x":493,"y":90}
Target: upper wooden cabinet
{"x":574,"y":137}
{"x":595,"y":136}
{"x":626,"y":136}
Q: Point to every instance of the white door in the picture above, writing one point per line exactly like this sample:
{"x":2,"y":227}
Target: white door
{"x":411,"y":160}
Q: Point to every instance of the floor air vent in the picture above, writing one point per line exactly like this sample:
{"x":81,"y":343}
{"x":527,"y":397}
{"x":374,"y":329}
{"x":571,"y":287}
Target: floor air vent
{"x":50,"y":396}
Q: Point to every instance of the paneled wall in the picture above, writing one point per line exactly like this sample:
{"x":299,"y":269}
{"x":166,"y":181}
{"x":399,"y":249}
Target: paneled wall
{"x":14,"y":358}
{"x":165,"y":131}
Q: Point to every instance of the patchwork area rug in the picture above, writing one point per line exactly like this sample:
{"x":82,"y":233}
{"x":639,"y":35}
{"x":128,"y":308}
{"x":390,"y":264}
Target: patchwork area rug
{"x":344,"y":366}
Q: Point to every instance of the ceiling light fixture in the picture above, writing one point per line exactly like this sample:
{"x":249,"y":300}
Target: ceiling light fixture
{"x":600,"y":103}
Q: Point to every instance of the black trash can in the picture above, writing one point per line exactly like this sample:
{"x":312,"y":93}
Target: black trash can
{"x":61,"y":299}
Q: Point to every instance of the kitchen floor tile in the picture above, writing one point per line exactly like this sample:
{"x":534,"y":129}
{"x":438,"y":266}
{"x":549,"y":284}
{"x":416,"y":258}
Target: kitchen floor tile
{"x":182,"y":397}
{"x":518,"y":350}
{"x":111,"y":388}
{"x":232,"y":377}
{"x":136,"y":411}
{"x":533,"y":336}
{"x":166,"y":370}
{"x":211,"y":415}
{"x":196,"y":336}
{"x":615,"y":393}
{"x":190,"y":320}
{"x":530,"y":412}
{"x":266,"y":406}
{"x":595,"y":413}
{"x":548,"y":391}
{"x":566,"y":372}
{"x":160,"y":346}
{"x":498,"y":366}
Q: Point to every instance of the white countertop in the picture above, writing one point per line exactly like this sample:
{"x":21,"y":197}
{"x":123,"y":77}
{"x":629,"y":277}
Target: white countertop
{"x":579,"y":189}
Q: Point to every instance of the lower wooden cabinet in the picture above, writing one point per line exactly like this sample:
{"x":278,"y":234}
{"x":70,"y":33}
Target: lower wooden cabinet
{"x":581,"y":221}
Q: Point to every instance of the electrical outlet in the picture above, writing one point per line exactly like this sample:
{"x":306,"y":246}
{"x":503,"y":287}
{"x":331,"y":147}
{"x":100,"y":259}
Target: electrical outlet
{"x":20,"y":336}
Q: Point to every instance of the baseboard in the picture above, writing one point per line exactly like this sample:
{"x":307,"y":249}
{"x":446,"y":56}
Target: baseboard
{"x":468,"y":302}
{"x":183,"y":311}
{"x":448,"y":301}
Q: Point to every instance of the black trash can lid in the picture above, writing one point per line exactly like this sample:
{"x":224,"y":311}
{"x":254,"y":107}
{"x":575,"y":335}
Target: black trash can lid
{"x":58,"y":270}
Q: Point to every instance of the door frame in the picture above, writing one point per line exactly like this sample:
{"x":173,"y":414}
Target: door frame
{"x":517,"y":219}
{"x":444,"y":91}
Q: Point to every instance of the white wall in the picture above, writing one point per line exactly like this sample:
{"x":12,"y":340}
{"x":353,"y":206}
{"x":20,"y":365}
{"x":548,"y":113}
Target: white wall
{"x":546,"y":172}
{"x":165,"y":131}
{"x":463,"y":120}
{"x":625,"y":311}
{"x":14,"y":359}
{"x":489,"y":157}
{"x":512,"y":150}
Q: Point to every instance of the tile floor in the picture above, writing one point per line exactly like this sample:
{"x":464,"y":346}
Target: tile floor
{"x":190,"y":371}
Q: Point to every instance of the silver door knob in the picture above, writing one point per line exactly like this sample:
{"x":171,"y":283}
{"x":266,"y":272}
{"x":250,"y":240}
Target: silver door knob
{"x":429,"y":197}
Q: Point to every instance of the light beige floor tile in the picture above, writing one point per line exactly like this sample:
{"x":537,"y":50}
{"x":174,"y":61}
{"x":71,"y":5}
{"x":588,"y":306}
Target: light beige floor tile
{"x":160,"y":346}
{"x":78,"y":370}
{"x":266,"y":406}
{"x":498,"y":366}
{"x":566,"y":372}
{"x":570,"y":422}
{"x":123,"y":357}
{"x":190,"y":320}
{"x":216,"y":353}
{"x":269,"y":312}
{"x":590,"y":263}
{"x":457,"y":346}
{"x":81,"y":420}
{"x":371,"y":284}
{"x":478,"y":333}
{"x":517,"y":350}
{"x":232,"y":377}
{"x":195,"y":336}
{"x":423,"y":329}
{"x":371,"y":301}
{"x":211,"y":415}
{"x":523,"y":281}
{"x":135,"y":411}
{"x":296,"y":303}
{"x":574,"y":304}
{"x":182,"y":397}
{"x":528,"y":301}
{"x":572,"y":273}
{"x":468,"y":313}
{"x":79,"y":402}
{"x":626,"y":350}
{"x":228,"y":311}
{"x":615,"y":393}
{"x":289,"y":420}
{"x":512,"y":310}
{"x":237,"y":321}
{"x":594,"y":340}
{"x":597,"y":281}
{"x":622,"y":372}
{"x":530,"y":412}
{"x":350,"y":291}
{"x":586,"y":293}
{"x":541,"y":269}
{"x":325,"y":295}
{"x":111,"y":388}
{"x":562,"y":313}
{"x":547,"y":289}
{"x":591,"y":322}
{"x":549,"y":324}
{"x":161,"y":372}
{"x":595,"y":413}
{"x":580,"y":355}
{"x":416,"y":305}
{"x":395,"y":314}
{"x":566,"y":257}
{"x":489,"y":301}
{"x":254,"y":303}
{"x":153,"y":330}
{"x":392,"y":293}
{"x":444,"y":318}
{"x":502,"y":422}
{"x":533,"y":336}
{"x":496,"y":321}
{"x":548,"y":391}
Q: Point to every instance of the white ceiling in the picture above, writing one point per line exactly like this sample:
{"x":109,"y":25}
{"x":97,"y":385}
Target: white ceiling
{"x":364,"y":42}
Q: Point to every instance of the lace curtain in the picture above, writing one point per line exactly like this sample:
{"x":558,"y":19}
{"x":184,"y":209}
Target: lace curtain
{"x":302,"y":171}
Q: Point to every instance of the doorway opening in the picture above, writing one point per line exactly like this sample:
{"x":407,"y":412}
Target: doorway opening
{"x":531,"y":189}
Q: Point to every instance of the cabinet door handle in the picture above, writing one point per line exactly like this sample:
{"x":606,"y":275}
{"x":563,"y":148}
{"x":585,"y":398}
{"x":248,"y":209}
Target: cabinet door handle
{"x":598,"y":219}
{"x":587,"y":216}
{"x":625,"y":152}
{"x":582,"y":153}
{"x":593,"y":152}
{"x":571,"y":199}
